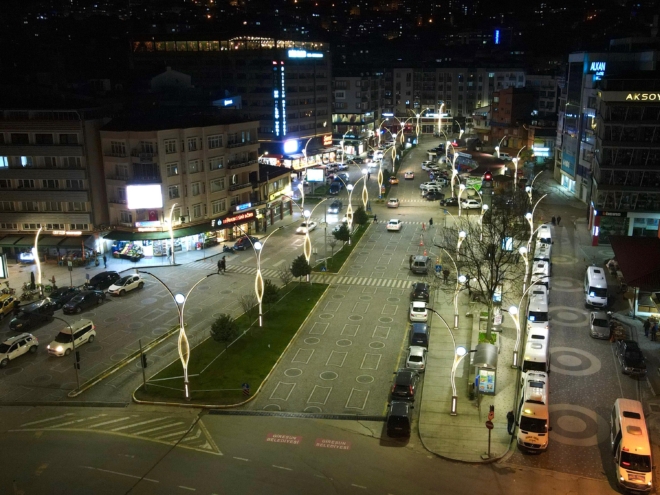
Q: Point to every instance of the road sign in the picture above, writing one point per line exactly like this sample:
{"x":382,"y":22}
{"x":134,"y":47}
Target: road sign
{"x":246,"y":388}
{"x":491,"y":413}
{"x":489,"y":425}
{"x":498,"y":319}
{"x":438,"y":268}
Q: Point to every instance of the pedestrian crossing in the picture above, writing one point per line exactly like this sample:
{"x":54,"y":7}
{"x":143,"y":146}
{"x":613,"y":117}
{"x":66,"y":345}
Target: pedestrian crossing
{"x":185,"y":432}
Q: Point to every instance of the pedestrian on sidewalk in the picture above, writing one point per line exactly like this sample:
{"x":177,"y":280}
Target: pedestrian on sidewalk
{"x":219,"y":266}
{"x":554,"y":221}
{"x":375,"y":219}
{"x":410,"y":260}
{"x":368,"y":175}
{"x":423,"y":226}
{"x":647,"y":327}
{"x":105,"y":261}
{"x":431,"y":222}
{"x":223,"y":264}
{"x":510,"y":421}
{"x":654,"y":330}
{"x":87,"y":278}
{"x":445,"y":274}
{"x":558,"y":220}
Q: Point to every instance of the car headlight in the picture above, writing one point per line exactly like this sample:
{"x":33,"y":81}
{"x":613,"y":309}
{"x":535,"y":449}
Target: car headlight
{"x":627,"y":368}
{"x":59,"y":348}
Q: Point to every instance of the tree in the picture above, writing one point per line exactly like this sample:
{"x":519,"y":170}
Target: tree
{"x":224,"y":329}
{"x":333,"y":244}
{"x":342,"y":233}
{"x":489,"y":255}
{"x":360,"y":216}
{"x":285,"y":276}
{"x":248,"y":303}
{"x":271,"y":292}
{"x":300,"y":268}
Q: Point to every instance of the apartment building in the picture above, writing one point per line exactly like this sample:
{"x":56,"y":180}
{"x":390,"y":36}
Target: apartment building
{"x":546,"y":94}
{"x":50,"y":164}
{"x":197,"y":169}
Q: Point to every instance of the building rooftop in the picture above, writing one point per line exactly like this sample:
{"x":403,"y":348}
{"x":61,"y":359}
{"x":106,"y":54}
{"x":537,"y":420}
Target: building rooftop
{"x":172,"y":118}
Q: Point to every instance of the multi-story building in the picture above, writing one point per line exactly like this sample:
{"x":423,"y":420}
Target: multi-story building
{"x":546,"y":94}
{"x":511,"y":108}
{"x":50,"y":164}
{"x":198,"y":171}
{"x":283,"y":84}
{"x":579,"y":109}
{"x":625,"y":188}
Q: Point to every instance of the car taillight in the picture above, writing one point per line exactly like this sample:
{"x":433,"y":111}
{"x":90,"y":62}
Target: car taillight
{"x":393,"y":387}
{"x":411,"y":389}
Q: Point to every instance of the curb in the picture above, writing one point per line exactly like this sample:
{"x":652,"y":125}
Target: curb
{"x":65,"y":404}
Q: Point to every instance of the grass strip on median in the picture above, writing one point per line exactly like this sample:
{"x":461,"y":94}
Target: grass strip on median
{"x":336,"y":261}
{"x":249,"y":359}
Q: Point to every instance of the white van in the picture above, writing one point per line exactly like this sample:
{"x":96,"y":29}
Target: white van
{"x":544,"y":234}
{"x":595,"y":287}
{"x":534,"y":416}
{"x":630,"y":446}
{"x":536,"y":351}
{"x":84,"y":331}
{"x":505,"y":156}
{"x":537,"y":310}
{"x":543,"y":252}
{"x":541,"y":273}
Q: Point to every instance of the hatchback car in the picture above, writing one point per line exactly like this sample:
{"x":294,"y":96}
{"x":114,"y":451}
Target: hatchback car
{"x":84,"y":331}
{"x":86,"y":299}
{"x":394,"y":225}
{"x":416,"y":358}
{"x":126,"y":284}
{"x":434,"y":196}
{"x":418,"y":311}
{"x":425,"y":165}
{"x":8,"y":303}
{"x":393,"y":181}
{"x":335,"y":188}
{"x":405,"y":385}
{"x":599,"y":325}
{"x":449,"y":201}
{"x":245,"y":242}
{"x":33,"y":315}
{"x":409,"y":175}
{"x":16,"y":346}
{"x":399,"y":418}
{"x":306,"y":227}
{"x":420,"y":292}
{"x":103,"y":280}
{"x":631,"y":358}
{"x":63,"y":295}
{"x":335,"y":206}
{"x":393,"y":203}
{"x":470,"y":204}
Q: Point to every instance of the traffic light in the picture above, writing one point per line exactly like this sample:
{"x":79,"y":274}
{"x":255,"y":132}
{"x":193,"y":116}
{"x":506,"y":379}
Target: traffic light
{"x":488,"y":177}
{"x":144,"y":360}
{"x":77,"y":363}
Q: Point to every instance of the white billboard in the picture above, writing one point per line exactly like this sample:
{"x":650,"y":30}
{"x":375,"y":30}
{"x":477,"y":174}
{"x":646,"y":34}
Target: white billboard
{"x":144,"y":197}
{"x":315,"y":175}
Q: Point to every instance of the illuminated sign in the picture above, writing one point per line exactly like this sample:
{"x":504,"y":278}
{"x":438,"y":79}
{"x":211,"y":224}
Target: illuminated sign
{"x":327,"y":140}
{"x":643,"y":97}
{"x":304,"y":54}
{"x":290,"y":146}
{"x":597,"y":69}
{"x":228,"y":102}
{"x":236,"y":219}
{"x":148,"y":229}
{"x":151,"y":223}
{"x":497,"y":36}
{"x":67,"y":232}
{"x":388,"y":115}
{"x":244,"y":206}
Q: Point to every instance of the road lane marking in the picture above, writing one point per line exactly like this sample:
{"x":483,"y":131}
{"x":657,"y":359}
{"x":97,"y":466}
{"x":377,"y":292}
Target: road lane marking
{"x":279,"y":263}
{"x":76,"y":421}
{"x":187,"y":488}
{"x":282,"y":467}
{"x":110,"y":422}
{"x":46,"y":420}
{"x":138,"y":424}
{"x":172,"y":434}
{"x":242,"y":459}
{"x":120,"y":474}
{"x":359,"y":486}
{"x":169,"y":425}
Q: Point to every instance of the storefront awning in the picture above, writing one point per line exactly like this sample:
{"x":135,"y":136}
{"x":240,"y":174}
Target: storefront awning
{"x":72,"y":242}
{"x":50,"y":241}
{"x":121,"y":235}
{"x":11,"y":240}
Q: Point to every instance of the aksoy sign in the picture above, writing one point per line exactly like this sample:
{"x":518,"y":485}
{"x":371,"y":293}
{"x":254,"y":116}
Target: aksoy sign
{"x":643,"y":97}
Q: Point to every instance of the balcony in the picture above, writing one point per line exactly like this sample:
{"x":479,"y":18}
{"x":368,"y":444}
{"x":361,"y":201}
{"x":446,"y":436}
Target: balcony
{"x":235,"y":165}
{"x":241,"y":143}
{"x":41,"y":150}
{"x":115,"y":154}
{"x":117,"y":201}
{"x":122,"y":178}
{"x":144,"y":157}
{"x":145,"y":179}
{"x":236,"y":187}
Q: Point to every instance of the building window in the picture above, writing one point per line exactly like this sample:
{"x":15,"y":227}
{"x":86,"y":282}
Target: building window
{"x":121,"y":194}
{"x":25,"y":161}
{"x":29,"y":206}
{"x":55,"y":226}
{"x":125,"y":217}
{"x":215,"y":142}
{"x":235,"y":200}
{"x":193,"y":166}
{"x":173,"y":192}
{"x":219,"y":206}
{"x":172,"y":169}
{"x":197,"y":210}
{"x":20,"y":138}
{"x":7,"y":206}
{"x":121,"y":170}
{"x":50,"y":184}
{"x":117,"y":148}
{"x":71,"y":162}
{"x":4,"y":162}
{"x":43,"y":139}
{"x":9,"y":226}
{"x":74,"y":184}
{"x":170,"y":146}
{"x":52,"y":206}
{"x":192,"y":144}
{"x":5,"y":184}
{"x":68,"y":138}
{"x":77,"y":206}
{"x":79,"y":226}
{"x":218,"y":185}
{"x":31,"y":226}
{"x":196,"y":188}
{"x":216,"y":163}
{"x":340,"y":95}
{"x":26,"y":183}
{"x":50,"y":162}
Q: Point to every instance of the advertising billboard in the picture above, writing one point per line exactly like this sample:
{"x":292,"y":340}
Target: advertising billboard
{"x":315,"y":175}
{"x":144,"y":196}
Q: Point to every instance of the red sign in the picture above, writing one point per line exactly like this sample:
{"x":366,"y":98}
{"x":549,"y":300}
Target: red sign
{"x":327,"y":139}
{"x":489,"y":425}
{"x":277,"y":438}
{"x":332,"y":444}
{"x":240,"y":218}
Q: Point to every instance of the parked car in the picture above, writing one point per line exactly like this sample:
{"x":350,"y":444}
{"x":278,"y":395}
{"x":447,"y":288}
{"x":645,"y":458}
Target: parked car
{"x":393,"y":181}
{"x":15,"y":347}
{"x":394,"y":225}
{"x":393,"y":203}
{"x":470,"y":204}
{"x":434,"y":196}
{"x":449,"y":201}
{"x":399,"y":418}
{"x":33,"y":315}
{"x":430,"y":184}
{"x":420,"y":292}
{"x":84,"y":331}
{"x":416,"y":358}
{"x":63,"y":295}
{"x":306,"y":227}
{"x":335,"y":188}
{"x":409,"y":175}
{"x":103,"y":280}
{"x":245,"y":242}
{"x":126,"y":284}
{"x":631,"y":358}
{"x":8,"y":303}
{"x":86,"y":299}
{"x":425,"y":165}
{"x":335,"y":206}
{"x":342,"y":166}
{"x":599,"y":325}
{"x":358,"y":160}
{"x":418,"y":311}
{"x":405,"y":385}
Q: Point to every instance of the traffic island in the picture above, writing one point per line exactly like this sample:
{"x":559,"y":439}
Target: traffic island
{"x":231,"y":376}
{"x":336,"y":261}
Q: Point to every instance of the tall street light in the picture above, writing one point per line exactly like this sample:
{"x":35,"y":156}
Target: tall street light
{"x":172,"y":234}
{"x":301,"y":188}
{"x":497,"y":148}
{"x":530,"y":188}
{"x":381,"y":125}
{"x":442,"y":105}
{"x":183,"y":345}
{"x":343,"y":151}
{"x":461,"y":188}
{"x":35,"y":254}
{"x":307,"y":249}
{"x":460,"y":281}
{"x":514,"y":312}
{"x":523,"y":252}
{"x":460,"y":129}
{"x":305,"y":152}
{"x":530,"y":219}
{"x":484,"y":209}
{"x":461,"y":237}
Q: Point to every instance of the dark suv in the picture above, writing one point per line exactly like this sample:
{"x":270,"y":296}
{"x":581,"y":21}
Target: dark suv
{"x":405,"y":385}
{"x":335,"y":206}
{"x":631,"y":358}
{"x":399,"y":418}
{"x":243,"y":243}
{"x":449,"y":202}
{"x":420,"y":292}
{"x":33,"y":315}
{"x":103,"y":280}
{"x":63,"y":295}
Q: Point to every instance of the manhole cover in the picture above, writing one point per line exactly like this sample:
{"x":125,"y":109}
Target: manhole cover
{"x":226,"y":292}
{"x":355,"y":318}
{"x":328,"y":375}
{"x":357,"y":267}
{"x":385,"y":319}
{"x":393,"y":299}
{"x":380,"y":267}
{"x":344,"y":343}
{"x":312,"y":340}
{"x":13,"y":371}
{"x":158,"y":331}
{"x":194,"y":310}
{"x":364,"y":379}
{"x":326,"y":316}
{"x":338,"y":296}
{"x":367,"y":253}
{"x":387,"y":253}
{"x":365,"y":298}
{"x":112,"y":319}
{"x":377,"y":345}
{"x":203,"y":287}
{"x":293,"y":372}
{"x":117,"y":357}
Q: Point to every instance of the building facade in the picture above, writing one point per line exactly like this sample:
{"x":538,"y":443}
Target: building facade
{"x":50,"y":177}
